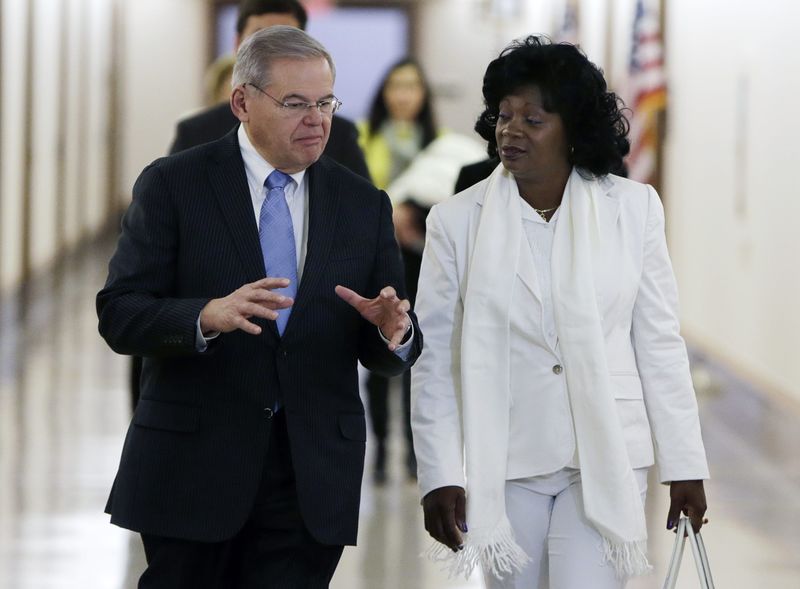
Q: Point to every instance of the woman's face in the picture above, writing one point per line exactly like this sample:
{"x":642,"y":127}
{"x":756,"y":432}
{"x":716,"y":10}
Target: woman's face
{"x":404,"y":93}
{"x":531,"y":142}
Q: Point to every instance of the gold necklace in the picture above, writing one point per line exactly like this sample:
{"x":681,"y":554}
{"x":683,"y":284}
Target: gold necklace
{"x":543,"y":212}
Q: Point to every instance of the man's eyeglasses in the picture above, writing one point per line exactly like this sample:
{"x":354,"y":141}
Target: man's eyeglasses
{"x":326,"y":106}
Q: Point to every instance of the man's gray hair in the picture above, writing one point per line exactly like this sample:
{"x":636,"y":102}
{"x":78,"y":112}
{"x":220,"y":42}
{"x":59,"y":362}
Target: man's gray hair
{"x":256,"y":55}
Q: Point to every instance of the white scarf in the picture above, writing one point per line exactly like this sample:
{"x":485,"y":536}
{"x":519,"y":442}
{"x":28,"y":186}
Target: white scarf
{"x":611,"y":497}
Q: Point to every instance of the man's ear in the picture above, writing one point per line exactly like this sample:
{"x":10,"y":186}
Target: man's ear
{"x":239,"y":104}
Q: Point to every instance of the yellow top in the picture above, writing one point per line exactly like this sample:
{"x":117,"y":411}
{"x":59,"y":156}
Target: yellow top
{"x":377,"y":154}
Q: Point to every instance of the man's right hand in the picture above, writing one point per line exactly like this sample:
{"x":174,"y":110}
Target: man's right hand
{"x":445,"y":516}
{"x":251,"y":300}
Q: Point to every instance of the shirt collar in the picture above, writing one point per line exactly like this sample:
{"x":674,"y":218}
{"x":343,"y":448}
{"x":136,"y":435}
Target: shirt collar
{"x":257,"y":166}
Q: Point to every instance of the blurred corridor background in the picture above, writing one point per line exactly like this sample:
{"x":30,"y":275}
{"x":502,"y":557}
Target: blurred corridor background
{"x":90,"y":92}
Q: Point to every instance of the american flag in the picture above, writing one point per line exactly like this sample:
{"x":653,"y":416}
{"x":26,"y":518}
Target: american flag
{"x":647,"y":91}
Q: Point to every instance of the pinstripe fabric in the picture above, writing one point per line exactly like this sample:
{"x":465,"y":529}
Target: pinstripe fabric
{"x":193,"y":455}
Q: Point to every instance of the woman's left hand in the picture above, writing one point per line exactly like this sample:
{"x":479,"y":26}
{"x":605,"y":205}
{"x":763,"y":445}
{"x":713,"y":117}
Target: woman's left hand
{"x":688,"y":497}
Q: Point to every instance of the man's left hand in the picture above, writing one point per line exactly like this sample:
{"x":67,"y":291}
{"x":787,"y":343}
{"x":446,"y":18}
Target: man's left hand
{"x":386,"y":311}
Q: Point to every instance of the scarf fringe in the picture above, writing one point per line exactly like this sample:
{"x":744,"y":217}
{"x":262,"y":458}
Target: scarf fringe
{"x":497,"y":553}
{"x":629,"y":559}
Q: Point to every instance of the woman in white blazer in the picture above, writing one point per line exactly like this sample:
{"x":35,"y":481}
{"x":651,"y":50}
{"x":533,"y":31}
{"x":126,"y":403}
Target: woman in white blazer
{"x":553,"y":374}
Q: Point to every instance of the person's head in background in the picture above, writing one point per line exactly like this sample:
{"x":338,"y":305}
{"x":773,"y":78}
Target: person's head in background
{"x":218,"y":79}
{"x":404,"y":97}
{"x":255,"y":15}
{"x":567,"y":85}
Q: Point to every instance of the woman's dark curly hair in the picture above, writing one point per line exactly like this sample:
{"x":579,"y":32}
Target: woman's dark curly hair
{"x":572,"y":87}
{"x":379,"y":113}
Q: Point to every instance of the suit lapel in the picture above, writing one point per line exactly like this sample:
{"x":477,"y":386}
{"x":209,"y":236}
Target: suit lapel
{"x":323,"y":206}
{"x":526,"y":268}
{"x":229,"y":183}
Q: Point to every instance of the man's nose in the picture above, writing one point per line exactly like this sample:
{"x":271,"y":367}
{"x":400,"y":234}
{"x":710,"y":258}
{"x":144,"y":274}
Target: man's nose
{"x":313,"y":116}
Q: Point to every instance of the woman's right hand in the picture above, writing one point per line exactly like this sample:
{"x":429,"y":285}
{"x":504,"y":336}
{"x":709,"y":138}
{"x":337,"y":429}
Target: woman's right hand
{"x":445,"y":516}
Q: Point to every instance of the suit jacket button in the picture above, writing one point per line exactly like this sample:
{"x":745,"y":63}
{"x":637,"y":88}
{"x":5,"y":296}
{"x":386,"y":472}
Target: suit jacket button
{"x":557,"y":369}
{"x":268,"y":412}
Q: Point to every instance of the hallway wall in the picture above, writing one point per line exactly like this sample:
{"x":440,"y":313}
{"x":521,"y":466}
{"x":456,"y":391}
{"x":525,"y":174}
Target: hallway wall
{"x":731,"y":187}
{"x":69,"y":151}
{"x":730,"y":157}
{"x":730,"y":152}
{"x":165,"y":55}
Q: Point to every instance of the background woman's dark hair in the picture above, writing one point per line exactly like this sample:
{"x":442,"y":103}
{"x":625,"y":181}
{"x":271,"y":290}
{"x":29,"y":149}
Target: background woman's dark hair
{"x":378,"y":113}
{"x":571,"y":86}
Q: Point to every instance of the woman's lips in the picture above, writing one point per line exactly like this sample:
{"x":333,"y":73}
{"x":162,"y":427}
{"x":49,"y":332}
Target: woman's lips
{"x":511,"y":152}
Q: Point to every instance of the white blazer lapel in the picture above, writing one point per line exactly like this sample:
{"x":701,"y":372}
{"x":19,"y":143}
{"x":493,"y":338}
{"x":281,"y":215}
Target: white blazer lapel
{"x":526,"y":269}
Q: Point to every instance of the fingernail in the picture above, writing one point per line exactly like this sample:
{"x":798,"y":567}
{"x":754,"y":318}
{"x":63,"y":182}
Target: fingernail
{"x":463,"y":527}
{"x":670,"y":524}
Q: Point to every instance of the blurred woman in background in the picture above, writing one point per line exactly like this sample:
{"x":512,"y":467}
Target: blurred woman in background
{"x":400,"y":126}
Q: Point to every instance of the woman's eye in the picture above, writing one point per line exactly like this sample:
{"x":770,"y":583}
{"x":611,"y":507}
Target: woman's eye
{"x":532,"y":121}
{"x":503,"y":116}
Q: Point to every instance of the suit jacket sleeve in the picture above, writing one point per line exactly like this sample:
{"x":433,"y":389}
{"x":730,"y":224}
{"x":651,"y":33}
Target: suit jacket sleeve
{"x":373,"y":352}
{"x":138,"y":309}
{"x":663,"y":362}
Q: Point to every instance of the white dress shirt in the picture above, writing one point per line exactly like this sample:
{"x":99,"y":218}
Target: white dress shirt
{"x":296,"y":191}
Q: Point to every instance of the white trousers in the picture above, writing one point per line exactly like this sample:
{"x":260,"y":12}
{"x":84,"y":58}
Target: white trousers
{"x":547,"y":515}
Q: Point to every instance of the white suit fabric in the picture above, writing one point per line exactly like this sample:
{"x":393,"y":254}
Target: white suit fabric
{"x":647,"y":363}
{"x":551,"y":525}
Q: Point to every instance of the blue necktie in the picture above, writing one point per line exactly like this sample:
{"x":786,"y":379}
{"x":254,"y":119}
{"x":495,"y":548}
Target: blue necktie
{"x":276,"y":233}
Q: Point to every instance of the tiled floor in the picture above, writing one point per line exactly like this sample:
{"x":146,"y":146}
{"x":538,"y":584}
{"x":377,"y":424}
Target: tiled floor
{"x":64,"y":410}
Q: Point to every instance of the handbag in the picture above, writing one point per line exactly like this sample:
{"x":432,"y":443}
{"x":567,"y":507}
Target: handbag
{"x":698,"y":551}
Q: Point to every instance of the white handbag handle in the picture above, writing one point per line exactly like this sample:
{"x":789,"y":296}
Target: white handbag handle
{"x":698,"y":551}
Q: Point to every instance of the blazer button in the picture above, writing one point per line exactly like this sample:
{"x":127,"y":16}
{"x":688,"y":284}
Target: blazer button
{"x":557,"y":369}
{"x":268,"y":412}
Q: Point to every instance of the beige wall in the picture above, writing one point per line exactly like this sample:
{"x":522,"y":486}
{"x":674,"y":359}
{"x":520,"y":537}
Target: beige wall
{"x":163,"y":49}
{"x":731,"y":156}
{"x":731,"y":185}
{"x":165,"y":53}
{"x":11,"y":165}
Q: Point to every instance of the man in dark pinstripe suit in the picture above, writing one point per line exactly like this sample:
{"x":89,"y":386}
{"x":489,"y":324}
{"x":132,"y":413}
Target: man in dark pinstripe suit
{"x":242,"y":465}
